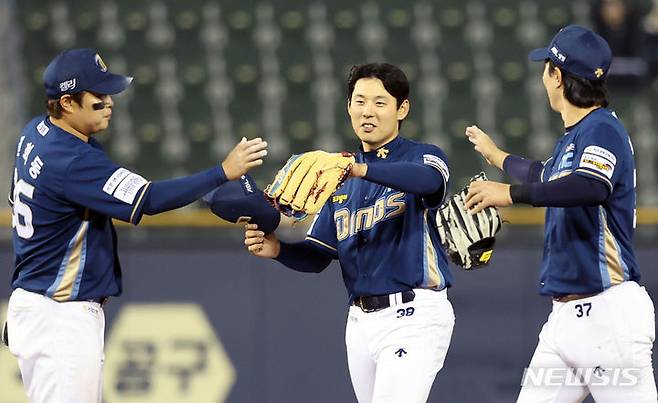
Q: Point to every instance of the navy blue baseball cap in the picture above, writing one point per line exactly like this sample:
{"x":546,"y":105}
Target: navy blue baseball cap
{"x":77,"y":70}
{"x":579,"y":51}
{"x":241,"y":201}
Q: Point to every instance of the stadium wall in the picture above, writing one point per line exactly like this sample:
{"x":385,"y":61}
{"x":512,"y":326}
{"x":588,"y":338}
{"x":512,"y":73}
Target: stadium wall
{"x":202,"y":321}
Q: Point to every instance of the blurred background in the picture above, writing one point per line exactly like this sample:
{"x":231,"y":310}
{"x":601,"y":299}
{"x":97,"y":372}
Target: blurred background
{"x":201,"y":320}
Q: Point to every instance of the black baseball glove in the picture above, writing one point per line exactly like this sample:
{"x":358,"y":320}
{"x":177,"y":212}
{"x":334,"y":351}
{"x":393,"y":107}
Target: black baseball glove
{"x":468,"y":239}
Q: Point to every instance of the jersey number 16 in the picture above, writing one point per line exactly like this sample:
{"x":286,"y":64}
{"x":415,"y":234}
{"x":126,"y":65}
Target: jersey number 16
{"x":24,"y":227}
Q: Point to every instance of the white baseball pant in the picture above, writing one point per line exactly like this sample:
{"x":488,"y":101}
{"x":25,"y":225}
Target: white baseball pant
{"x":394,"y":354}
{"x":599,"y":345}
{"x":59,"y":347}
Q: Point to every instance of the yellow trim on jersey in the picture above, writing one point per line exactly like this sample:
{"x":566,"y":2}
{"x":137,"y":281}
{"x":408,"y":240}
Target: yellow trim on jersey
{"x":559,"y":175}
{"x":310,"y":238}
{"x":587,"y":171}
{"x":73,"y":265}
{"x":612,"y":257}
{"x":139,"y":200}
{"x":430,"y":254}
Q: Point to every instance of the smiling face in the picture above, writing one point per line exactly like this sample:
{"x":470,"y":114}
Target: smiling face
{"x":374,"y":113}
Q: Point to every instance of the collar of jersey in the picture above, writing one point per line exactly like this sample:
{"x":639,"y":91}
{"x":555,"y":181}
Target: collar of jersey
{"x":568,"y":129}
{"x":391,"y":146}
{"x":92,"y":141}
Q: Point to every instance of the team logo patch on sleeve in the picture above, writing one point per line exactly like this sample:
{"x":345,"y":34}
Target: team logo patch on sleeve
{"x":598,"y":159}
{"x":436,"y":162}
{"x":124,"y":185}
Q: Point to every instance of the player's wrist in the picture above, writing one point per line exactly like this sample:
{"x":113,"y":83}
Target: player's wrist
{"x":508,"y":193}
{"x":277,"y":249}
{"x":228,"y":172}
{"x":500,"y":157}
{"x":359,"y":170}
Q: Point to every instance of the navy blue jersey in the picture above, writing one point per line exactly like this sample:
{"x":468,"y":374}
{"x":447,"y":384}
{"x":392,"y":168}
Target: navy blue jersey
{"x":64,"y":193}
{"x":588,"y":249}
{"x":385,"y":239}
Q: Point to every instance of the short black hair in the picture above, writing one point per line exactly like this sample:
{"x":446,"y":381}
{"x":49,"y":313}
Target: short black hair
{"x":582,"y":92}
{"x":54,"y":107}
{"x":394,"y":79}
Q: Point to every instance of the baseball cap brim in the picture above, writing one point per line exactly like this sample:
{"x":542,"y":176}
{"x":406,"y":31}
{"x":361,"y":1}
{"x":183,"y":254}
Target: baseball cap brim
{"x":112,"y":84}
{"x":233,"y":203}
{"x":539,"y":55}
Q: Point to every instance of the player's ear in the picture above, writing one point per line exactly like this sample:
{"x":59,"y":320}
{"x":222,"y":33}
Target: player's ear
{"x":557,"y":76}
{"x":66,"y":101}
{"x":403,"y":110}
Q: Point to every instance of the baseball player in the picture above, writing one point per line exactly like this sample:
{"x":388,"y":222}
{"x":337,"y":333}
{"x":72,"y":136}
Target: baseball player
{"x":64,"y":194}
{"x":378,"y":227}
{"x":599,"y":336}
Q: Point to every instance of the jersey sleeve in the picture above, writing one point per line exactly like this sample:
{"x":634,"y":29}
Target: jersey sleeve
{"x":95,"y":182}
{"x":434,"y":157}
{"x":323,"y":230}
{"x":599,"y":154}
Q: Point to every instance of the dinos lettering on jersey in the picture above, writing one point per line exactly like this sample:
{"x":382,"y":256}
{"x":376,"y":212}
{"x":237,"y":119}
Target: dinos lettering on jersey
{"x":349,"y":223}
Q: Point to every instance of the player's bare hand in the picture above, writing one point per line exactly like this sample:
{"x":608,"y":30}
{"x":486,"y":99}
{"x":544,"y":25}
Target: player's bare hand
{"x":483,"y":144}
{"x":260,"y":244}
{"x":358,"y":170}
{"x":244,"y":156}
{"x":483,"y":194}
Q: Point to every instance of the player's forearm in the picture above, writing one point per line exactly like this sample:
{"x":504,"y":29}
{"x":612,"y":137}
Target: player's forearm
{"x":521,"y":169}
{"x":406,"y":176}
{"x":569,"y":191}
{"x":175,"y":193}
{"x":303,"y":257}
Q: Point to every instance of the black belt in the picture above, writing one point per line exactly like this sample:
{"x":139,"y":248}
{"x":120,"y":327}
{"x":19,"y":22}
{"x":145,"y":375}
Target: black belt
{"x":572,"y":297}
{"x":102,"y":300}
{"x":374,"y":303}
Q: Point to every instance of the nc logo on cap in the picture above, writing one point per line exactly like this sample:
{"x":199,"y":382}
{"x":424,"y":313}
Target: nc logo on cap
{"x":100,"y":63}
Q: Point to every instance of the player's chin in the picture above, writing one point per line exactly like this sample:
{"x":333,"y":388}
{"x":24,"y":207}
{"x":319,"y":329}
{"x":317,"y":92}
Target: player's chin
{"x":101,"y":125}
{"x":366,"y":136}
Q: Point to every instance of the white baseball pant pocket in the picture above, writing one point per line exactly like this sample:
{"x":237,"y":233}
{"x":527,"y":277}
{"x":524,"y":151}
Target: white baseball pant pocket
{"x":59,"y":347}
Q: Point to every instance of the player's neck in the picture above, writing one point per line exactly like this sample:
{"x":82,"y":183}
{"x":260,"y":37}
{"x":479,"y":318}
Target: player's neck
{"x":573,"y":114}
{"x":66,"y":126}
{"x":367,"y":147}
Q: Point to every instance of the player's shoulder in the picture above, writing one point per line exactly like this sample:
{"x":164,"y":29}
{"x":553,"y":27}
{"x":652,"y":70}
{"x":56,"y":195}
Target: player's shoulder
{"x":59,"y":147}
{"x":603,"y":126}
{"x":426,"y":148}
{"x":35,"y":125}
{"x":603,"y":120}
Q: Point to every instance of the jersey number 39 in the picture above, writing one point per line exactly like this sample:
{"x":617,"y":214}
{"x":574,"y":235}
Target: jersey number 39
{"x":24,"y":227}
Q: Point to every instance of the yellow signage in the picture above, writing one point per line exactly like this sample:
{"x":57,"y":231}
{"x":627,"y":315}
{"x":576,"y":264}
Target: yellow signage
{"x":165,"y":353}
